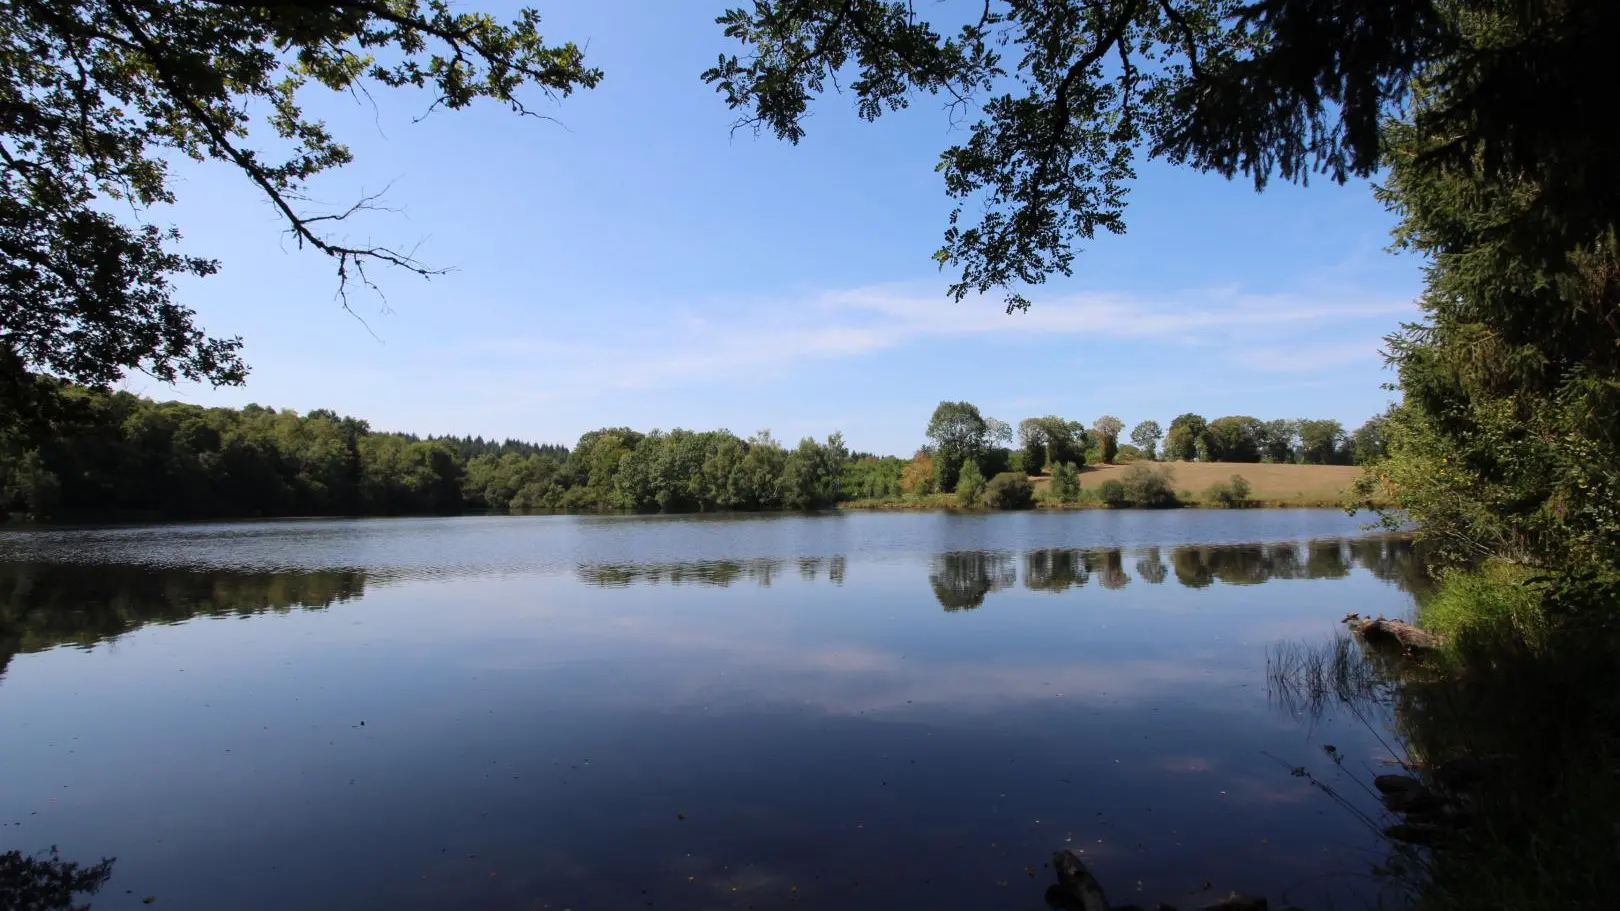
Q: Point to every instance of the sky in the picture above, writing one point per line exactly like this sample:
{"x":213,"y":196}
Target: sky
{"x":637,"y":263}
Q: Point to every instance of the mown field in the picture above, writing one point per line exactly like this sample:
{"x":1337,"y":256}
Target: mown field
{"x":1281,"y":485}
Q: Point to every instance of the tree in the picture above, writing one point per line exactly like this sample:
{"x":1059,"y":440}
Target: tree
{"x":1321,"y":442}
{"x":755,"y":481}
{"x":810,"y":478}
{"x":1370,"y":443}
{"x":1234,"y":439}
{"x":1181,"y":445}
{"x":958,"y":432}
{"x":103,"y":94}
{"x":1505,"y":442}
{"x":918,"y":478}
{"x":1146,"y":437}
{"x":1277,"y":441}
{"x":1032,"y":445}
{"x":1065,"y":482}
{"x":1050,"y":440}
{"x":868,"y":477}
{"x":970,"y":484}
{"x":1108,"y":428}
{"x":1069,"y":92}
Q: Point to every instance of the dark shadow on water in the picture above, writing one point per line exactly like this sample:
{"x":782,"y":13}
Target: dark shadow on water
{"x":44,"y":605}
{"x":1502,"y":782}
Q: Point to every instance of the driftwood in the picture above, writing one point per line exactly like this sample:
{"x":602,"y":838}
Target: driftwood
{"x":1382,"y":633}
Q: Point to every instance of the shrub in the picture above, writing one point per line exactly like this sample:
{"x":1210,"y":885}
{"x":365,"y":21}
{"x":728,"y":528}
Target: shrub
{"x":1148,"y":485}
{"x":917,"y":478}
{"x":1065,"y":482}
{"x":1009,"y":490}
{"x":969,"y":484}
{"x":1240,"y":487}
{"x":1113,"y":493}
{"x":1229,"y":494}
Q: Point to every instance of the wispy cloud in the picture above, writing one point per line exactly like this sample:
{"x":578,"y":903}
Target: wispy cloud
{"x":1309,"y":358}
{"x":1273,"y":332}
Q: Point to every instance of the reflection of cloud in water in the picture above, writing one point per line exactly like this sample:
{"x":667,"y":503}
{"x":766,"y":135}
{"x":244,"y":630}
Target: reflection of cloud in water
{"x":703,"y":665}
{"x":1277,"y":790}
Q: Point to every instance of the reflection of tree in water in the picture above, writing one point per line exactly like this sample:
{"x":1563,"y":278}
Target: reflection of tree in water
{"x":45,"y":882}
{"x":1200,"y":566}
{"x":1109,"y":565}
{"x":1283,"y":562}
{"x":1396,"y":560}
{"x":1191,"y":567}
{"x":811,"y":568}
{"x":1392,"y":559}
{"x":1057,"y":569}
{"x":1054,"y":570}
{"x":961,"y":580}
{"x":762,"y":571}
{"x":43,"y":605}
{"x":1150,"y":566}
{"x":1244,"y":564}
{"x":1326,"y":560}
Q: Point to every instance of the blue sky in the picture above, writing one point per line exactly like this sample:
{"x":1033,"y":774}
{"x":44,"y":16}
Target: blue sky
{"x":637,"y":264}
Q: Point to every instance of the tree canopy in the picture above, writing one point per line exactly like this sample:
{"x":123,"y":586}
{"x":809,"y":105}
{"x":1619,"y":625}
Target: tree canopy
{"x":959,"y":432}
{"x":97,"y":97}
{"x":1065,"y":95}
{"x":1050,"y":441}
{"x":1146,"y":436}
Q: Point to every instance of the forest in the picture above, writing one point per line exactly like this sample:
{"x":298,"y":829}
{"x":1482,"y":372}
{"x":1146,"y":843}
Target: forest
{"x":114,"y":454}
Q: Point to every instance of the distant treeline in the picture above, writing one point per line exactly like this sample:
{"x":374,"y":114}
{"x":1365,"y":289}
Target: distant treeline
{"x":111,"y":454}
{"x":117,"y":454}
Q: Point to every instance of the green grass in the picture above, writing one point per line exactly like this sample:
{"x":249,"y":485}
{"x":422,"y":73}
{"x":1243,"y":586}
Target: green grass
{"x":1496,"y":601}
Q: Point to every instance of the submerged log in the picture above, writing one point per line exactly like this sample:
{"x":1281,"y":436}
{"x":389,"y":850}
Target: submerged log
{"x":1392,"y":634}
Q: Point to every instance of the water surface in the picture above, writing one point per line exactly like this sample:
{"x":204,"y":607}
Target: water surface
{"x":850,"y":711}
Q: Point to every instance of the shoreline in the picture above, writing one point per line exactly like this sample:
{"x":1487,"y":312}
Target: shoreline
{"x":947,"y":502}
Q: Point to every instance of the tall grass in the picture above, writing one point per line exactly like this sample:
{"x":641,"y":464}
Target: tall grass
{"x":1515,"y":723}
{"x":1498,"y":600}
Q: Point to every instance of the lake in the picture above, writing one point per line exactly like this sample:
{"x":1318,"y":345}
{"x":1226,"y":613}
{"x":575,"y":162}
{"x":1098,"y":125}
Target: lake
{"x":842,"y":711}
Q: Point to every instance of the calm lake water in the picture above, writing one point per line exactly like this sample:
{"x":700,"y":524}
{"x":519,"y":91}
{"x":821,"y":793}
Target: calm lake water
{"x":850,"y":711}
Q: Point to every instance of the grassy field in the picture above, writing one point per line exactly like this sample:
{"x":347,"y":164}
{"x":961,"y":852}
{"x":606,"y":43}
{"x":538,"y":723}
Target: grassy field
{"x":1273,"y":485}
